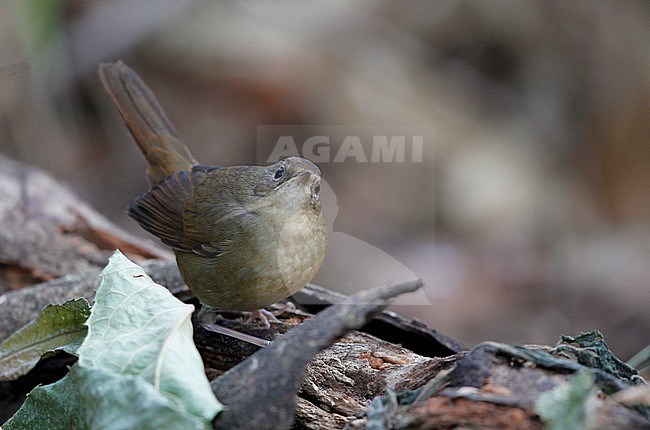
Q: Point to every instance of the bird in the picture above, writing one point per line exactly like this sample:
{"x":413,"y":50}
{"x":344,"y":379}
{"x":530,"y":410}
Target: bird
{"x":244,"y":237}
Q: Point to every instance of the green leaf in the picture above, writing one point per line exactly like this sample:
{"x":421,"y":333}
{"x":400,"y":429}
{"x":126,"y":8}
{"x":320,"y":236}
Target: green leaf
{"x":100,"y":399}
{"x":139,"y":328}
{"x":138,"y":367}
{"x":569,"y":406}
{"x":57,"y":328}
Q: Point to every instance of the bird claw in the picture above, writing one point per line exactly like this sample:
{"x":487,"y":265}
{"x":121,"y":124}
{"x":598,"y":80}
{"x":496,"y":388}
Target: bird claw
{"x":263,"y":316}
{"x":283,"y":307}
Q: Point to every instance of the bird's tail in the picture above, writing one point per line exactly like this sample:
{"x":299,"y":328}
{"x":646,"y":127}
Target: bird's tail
{"x":153,"y":132}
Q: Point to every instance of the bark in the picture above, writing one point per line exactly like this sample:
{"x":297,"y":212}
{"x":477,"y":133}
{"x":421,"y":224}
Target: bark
{"x":392,"y":373}
{"x":47,"y":232}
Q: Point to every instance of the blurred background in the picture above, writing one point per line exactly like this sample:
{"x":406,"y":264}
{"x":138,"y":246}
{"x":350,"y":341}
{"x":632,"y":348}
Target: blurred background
{"x":530,"y":217}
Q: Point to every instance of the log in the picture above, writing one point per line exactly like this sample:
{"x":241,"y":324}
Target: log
{"x":389,"y":373}
{"x":48,"y":232}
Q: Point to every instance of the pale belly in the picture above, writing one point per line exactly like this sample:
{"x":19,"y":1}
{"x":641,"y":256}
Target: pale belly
{"x":254,"y":274}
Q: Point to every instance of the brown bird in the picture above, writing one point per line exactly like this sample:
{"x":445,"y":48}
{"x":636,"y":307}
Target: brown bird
{"x":244,"y":237}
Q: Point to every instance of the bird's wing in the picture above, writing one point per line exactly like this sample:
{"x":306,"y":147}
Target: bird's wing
{"x":188,"y":217}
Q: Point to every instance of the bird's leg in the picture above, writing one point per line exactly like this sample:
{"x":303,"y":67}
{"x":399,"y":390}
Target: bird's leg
{"x":206,"y":318}
{"x":263,"y":316}
{"x":283,"y":307}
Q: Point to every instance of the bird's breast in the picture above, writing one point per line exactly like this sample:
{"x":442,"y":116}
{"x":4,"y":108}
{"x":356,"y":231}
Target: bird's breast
{"x":301,"y":244}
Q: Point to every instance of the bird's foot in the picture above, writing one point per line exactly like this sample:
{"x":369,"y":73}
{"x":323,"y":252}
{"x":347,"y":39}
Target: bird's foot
{"x":283,"y":307}
{"x":207,"y":317}
{"x":263,"y":316}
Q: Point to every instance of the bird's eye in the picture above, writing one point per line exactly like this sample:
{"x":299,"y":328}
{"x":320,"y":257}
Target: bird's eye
{"x":279,"y":173}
